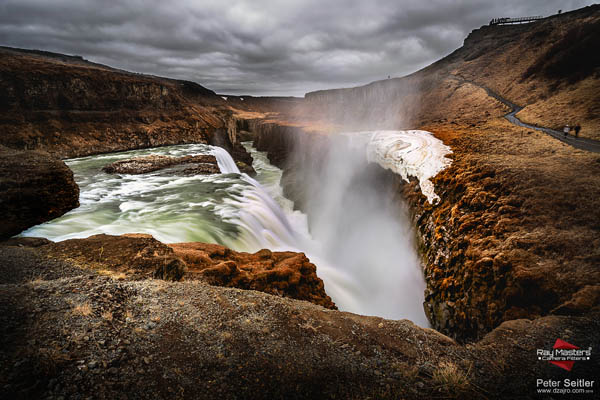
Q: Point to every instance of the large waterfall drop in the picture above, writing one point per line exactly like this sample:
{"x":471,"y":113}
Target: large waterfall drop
{"x":365,"y":257}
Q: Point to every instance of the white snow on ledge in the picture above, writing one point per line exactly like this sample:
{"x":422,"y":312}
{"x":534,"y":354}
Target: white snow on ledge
{"x":409,"y":153}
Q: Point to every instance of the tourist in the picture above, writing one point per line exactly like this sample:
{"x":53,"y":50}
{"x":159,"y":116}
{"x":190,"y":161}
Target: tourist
{"x":577,"y":129}
{"x":566,"y":130}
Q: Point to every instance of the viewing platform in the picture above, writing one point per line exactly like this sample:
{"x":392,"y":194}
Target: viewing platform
{"x":520,"y":20}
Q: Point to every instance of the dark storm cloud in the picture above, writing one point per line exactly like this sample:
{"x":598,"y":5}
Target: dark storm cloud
{"x":261,"y":46}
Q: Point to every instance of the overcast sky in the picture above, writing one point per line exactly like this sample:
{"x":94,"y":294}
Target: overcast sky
{"x":259,"y":47}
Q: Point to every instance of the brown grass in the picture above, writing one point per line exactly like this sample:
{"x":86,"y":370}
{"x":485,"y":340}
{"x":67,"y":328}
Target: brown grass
{"x":83,"y":309}
{"x":451,"y":377}
{"x":107,"y":315}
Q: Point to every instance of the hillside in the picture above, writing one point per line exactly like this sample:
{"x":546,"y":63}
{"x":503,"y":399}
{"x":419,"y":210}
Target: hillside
{"x":550,"y":67}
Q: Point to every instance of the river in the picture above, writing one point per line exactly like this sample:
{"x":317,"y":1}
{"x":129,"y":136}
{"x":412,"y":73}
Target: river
{"x":381,"y":276}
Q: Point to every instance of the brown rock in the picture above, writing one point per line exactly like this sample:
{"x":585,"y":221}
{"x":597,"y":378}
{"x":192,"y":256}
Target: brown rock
{"x":199,"y":164}
{"x":286,"y":274}
{"x":34,"y":188}
{"x":140,"y":256}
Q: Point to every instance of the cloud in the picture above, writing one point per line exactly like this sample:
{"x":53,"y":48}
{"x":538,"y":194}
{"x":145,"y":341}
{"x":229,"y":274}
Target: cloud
{"x":261,"y":47}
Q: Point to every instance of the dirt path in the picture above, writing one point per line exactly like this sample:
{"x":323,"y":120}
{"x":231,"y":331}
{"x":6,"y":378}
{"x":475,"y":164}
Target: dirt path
{"x":577,"y":142}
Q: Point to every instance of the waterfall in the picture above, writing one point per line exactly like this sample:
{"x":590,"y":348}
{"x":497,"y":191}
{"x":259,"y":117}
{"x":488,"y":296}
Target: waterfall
{"x":363,"y":252}
{"x":224,"y":160}
{"x":262,"y":223}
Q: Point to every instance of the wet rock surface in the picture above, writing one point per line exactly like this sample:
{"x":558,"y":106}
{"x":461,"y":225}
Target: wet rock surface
{"x":192,"y":165}
{"x":34,"y":188}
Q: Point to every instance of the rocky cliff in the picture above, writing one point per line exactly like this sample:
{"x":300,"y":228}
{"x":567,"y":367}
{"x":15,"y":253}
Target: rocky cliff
{"x":35,"y":188}
{"x":70,"y":107}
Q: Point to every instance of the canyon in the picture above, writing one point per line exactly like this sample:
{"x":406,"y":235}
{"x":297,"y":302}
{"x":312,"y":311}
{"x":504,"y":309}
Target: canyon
{"x":510,"y":252}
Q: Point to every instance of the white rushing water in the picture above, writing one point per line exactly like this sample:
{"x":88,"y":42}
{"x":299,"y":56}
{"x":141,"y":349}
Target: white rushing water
{"x":364,"y":255}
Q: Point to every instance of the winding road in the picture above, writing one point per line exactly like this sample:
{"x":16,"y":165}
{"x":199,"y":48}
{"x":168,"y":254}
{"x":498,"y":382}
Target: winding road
{"x":578,"y":143}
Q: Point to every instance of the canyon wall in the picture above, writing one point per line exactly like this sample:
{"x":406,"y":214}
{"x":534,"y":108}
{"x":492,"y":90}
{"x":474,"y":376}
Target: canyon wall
{"x":70,"y":107}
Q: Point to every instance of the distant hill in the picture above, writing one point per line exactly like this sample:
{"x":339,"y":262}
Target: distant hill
{"x":550,"y":67}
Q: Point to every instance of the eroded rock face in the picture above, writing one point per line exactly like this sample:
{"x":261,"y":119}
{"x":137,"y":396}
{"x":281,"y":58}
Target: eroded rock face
{"x":34,"y":188}
{"x":286,"y":273}
{"x":140,"y":256}
{"x":199,"y":164}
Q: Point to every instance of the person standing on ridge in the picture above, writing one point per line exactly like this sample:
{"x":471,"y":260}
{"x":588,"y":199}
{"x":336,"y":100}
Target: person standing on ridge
{"x":577,"y":129}
{"x":566,"y":130}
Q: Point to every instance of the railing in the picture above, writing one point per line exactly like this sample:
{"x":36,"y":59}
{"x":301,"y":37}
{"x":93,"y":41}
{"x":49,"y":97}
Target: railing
{"x":521,"y":20}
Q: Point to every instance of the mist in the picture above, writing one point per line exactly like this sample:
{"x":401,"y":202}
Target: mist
{"x":361,"y":228}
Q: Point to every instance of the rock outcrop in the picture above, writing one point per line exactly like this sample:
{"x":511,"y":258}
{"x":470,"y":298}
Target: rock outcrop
{"x":34,"y":188}
{"x":140,"y":256}
{"x":193,"y":165}
{"x":287,"y":274}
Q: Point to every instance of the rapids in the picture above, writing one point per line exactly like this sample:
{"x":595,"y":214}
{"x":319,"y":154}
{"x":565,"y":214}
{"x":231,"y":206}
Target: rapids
{"x":371,"y":268}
